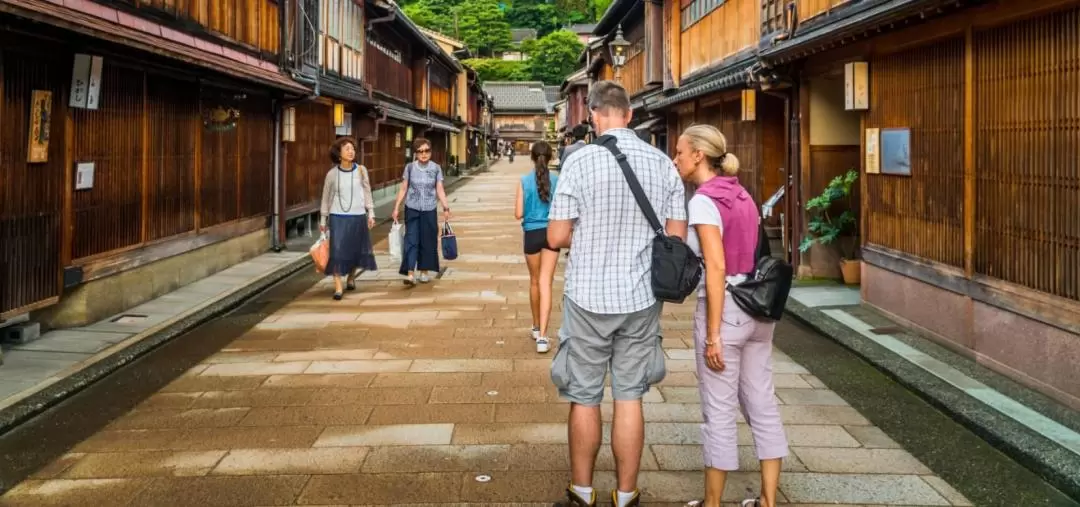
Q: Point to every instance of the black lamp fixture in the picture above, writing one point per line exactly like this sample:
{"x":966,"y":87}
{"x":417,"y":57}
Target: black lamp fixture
{"x":618,"y":48}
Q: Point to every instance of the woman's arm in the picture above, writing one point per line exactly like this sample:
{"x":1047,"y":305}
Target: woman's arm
{"x":401,"y":192}
{"x":712,"y":248}
{"x":440,"y":191}
{"x":519,"y":203}
{"x":327,"y":199}
{"x":369,"y":201}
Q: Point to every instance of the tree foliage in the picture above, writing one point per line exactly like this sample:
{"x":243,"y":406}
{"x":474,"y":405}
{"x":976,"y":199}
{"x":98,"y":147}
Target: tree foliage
{"x":554,"y":56}
{"x":482,"y":26}
{"x":493,"y":69}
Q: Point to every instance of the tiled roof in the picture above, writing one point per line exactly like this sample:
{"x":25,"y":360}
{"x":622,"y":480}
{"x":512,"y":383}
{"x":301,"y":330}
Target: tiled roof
{"x":518,"y":95}
{"x":582,"y":28}
{"x":522,"y":34}
{"x":552,"y":93}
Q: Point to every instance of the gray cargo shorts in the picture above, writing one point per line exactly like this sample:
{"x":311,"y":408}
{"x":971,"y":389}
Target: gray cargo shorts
{"x":589,"y":342}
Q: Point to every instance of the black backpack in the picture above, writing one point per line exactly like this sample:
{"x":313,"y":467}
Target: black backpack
{"x":676,"y":269}
{"x":765,"y":292}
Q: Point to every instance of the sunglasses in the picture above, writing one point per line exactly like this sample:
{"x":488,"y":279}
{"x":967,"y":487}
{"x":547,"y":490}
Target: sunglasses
{"x":424,"y":150}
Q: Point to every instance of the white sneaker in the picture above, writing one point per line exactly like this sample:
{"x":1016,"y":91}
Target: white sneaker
{"x":536,"y":334}
{"x":542,"y":345}
{"x":423,"y":278}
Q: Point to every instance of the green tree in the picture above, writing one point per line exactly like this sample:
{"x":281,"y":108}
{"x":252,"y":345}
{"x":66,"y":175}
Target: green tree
{"x":482,"y":26}
{"x":494,"y":69}
{"x":601,"y":6}
{"x":545,"y":18}
{"x":554,"y":57}
{"x":435,"y":15}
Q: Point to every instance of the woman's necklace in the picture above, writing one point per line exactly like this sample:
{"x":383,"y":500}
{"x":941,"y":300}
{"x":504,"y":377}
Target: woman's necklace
{"x":352,"y":175}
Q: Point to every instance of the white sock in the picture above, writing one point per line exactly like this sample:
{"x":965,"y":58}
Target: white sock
{"x":585,"y":492}
{"x":624,"y":498}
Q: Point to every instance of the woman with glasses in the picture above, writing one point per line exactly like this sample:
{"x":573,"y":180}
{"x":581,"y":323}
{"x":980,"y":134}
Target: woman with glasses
{"x":346,"y":214}
{"x":422,"y":190}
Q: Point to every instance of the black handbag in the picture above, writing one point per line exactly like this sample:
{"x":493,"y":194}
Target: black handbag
{"x":676,"y":269}
{"x":765,"y":292}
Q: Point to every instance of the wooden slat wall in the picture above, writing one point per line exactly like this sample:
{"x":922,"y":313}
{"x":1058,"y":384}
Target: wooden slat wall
{"x":633,"y":74}
{"x":440,"y":101}
{"x":256,"y":159}
{"x":1027,"y":148}
{"x":386,"y":160}
{"x":742,"y":139}
{"x":253,"y":23}
{"x":219,"y":188}
{"x":730,"y":28}
{"x":921,"y":89}
{"x":30,"y":194}
{"x":810,"y":8}
{"x":387,"y":74}
{"x":109,"y":215}
{"x":439,"y":147}
{"x":174,"y":118}
{"x":308,"y":158}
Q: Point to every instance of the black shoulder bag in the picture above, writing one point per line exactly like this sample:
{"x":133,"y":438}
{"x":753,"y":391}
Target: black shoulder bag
{"x":676,"y":269}
{"x":765,"y":292}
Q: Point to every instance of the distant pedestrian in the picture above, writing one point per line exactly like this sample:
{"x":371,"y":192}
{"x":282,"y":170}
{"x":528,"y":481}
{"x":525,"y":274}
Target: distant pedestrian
{"x":579,"y":133}
{"x":347,"y":215}
{"x":531,"y":207}
{"x":422,"y":191}
{"x":610,"y":315}
{"x":733,"y":350}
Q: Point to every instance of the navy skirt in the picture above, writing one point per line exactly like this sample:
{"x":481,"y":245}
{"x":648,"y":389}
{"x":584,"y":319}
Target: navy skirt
{"x":350,"y":245}
{"x":421,"y":241}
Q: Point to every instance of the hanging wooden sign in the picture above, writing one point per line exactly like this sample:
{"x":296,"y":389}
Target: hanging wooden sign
{"x":749,"y":105}
{"x":40,"y":126}
{"x":856,"y":86}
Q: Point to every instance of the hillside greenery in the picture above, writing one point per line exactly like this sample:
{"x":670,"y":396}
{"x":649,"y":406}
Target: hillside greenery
{"x":484,"y":26}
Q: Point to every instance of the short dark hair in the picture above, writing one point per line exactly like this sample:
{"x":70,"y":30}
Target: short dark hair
{"x":609,"y":95}
{"x":335,"y":149}
{"x":580,"y":132}
{"x":420,"y":141}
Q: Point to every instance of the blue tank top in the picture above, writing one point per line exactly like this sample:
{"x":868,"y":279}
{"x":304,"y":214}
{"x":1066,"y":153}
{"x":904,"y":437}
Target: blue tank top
{"x":536,"y":211}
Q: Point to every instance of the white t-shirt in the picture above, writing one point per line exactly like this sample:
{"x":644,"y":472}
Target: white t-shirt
{"x":702,"y":211}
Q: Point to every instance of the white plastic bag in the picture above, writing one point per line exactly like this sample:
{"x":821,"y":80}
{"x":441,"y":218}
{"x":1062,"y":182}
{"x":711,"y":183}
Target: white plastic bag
{"x":397,"y":241}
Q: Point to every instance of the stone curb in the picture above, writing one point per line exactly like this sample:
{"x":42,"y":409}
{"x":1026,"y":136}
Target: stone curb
{"x":136,"y":346}
{"x":1058,"y":465}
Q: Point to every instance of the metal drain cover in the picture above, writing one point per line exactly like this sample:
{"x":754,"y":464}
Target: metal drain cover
{"x":483,"y":478}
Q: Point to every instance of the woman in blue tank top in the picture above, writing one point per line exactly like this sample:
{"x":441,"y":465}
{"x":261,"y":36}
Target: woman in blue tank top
{"x":533,"y":201}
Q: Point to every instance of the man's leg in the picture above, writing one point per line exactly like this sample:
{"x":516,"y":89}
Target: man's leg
{"x":637,"y":364}
{"x":578,"y":370}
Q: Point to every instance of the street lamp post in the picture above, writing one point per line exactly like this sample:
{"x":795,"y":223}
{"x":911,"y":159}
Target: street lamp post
{"x":618,"y":48}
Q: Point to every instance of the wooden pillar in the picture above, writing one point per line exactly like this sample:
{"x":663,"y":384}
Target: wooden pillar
{"x":196,"y":124}
{"x":969,"y":155}
{"x":145,"y":182}
{"x":654,"y":42}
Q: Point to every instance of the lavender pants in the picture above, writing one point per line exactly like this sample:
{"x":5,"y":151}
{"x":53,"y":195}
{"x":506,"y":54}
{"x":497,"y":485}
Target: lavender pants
{"x":746,"y":381}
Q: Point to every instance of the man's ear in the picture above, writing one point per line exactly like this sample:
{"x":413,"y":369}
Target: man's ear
{"x":629,"y":116}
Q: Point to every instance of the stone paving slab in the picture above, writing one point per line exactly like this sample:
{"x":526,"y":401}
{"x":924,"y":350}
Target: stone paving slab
{"x":403,"y":396}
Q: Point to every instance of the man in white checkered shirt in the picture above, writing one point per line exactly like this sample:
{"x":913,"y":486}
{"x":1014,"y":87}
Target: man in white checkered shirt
{"x":610,"y":315}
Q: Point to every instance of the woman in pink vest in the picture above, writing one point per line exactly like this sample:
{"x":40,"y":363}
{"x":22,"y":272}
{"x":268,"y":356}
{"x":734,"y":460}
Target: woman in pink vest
{"x":733,"y":350}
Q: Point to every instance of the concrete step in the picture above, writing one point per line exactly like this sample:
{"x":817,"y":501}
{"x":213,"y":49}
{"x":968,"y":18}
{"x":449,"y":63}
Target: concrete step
{"x":21,"y":333}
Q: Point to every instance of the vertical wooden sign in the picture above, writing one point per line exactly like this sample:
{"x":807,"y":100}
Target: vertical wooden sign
{"x":749,"y":105}
{"x":40,"y":125}
{"x":873,"y":151}
{"x":856,"y":86}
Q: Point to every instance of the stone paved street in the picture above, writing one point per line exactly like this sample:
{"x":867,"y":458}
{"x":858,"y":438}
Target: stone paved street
{"x":398,"y":396}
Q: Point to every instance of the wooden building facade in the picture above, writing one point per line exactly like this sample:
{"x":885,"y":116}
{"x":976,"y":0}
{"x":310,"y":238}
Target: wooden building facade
{"x":960,"y":119}
{"x":146,"y":144}
{"x":522,"y":114}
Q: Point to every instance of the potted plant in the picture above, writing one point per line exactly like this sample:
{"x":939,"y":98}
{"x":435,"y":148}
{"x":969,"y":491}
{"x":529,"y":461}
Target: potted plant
{"x":826,"y":229}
